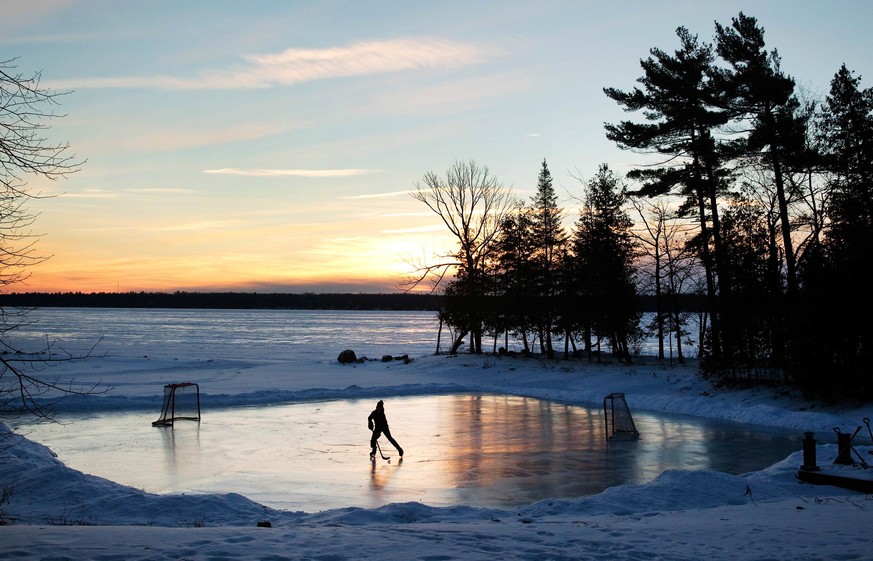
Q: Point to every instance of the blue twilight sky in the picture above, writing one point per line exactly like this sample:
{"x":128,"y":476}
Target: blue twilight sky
{"x":267,"y":145}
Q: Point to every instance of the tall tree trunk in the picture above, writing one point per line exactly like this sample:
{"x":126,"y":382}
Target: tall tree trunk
{"x":459,"y":340}
{"x":787,"y":244}
{"x":659,"y":298}
{"x":721,"y":262}
{"x":706,"y":259}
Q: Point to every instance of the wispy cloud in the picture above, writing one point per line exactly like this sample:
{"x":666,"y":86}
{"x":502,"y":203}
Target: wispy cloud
{"x":296,"y":66}
{"x":447,"y":96}
{"x":162,"y":190}
{"x":19,"y":12}
{"x":406,"y":214}
{"x":415,"y":230}
{"x":379,"y":195}
{"x":208,"y":225}
{"x":96,"y":193}
{"x":90,"y":194}
{"x":177,"y":138}
{"x":257,"y":172}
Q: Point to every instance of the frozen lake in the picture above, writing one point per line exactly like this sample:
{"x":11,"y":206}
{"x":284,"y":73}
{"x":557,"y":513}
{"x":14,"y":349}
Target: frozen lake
{"x":479,"y":450}
{"x":281,"y":334}
{"x":296,"y":334}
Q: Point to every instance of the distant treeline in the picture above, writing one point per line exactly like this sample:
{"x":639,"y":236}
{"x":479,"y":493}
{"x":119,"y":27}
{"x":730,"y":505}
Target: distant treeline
{"x":222,"y":300}
{"x":250,"y":300}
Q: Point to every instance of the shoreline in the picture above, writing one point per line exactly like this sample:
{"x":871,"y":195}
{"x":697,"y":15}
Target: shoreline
{"x":648,"y":385}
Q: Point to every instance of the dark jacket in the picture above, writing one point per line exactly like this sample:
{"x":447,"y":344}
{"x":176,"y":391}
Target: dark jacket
{"x":377,"y":418}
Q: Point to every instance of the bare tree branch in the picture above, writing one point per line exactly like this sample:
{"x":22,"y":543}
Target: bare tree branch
{"x":25,"y":150}
{"x":472,"y":204}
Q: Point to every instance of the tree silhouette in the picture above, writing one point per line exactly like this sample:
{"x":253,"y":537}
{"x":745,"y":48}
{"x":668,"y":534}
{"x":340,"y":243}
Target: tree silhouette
{"x":832,"y":347}
{"x":757,"y":91}
{"x":549,"y":239}
{"x":25,"y":151}
{"x":472,"y":204}
{"x":602,"y":261}
{"x":682,"y":111}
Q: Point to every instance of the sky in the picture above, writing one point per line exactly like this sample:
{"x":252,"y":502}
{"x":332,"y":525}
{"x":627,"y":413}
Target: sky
{"x":271,"y":146}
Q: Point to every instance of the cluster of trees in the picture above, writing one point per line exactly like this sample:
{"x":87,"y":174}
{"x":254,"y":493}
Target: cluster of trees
{"x":517,"y":272}
{"x":749,"y":193}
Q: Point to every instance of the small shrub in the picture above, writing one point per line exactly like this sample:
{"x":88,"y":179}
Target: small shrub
{"x":6,"y":491}
{"x":66,"y":518}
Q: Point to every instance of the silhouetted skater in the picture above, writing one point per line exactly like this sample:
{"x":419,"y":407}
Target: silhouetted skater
{"x":377,"y":423}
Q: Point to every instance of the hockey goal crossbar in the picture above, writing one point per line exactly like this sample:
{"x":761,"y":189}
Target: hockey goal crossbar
{"x":181,"y":402}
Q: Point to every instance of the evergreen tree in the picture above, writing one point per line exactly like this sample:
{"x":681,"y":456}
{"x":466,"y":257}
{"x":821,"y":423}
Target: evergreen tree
{"x":516,"y":274}
{"x":756,"y":311}
{"x":757,"y":92}
{"x":549,"y":238}
{"x":681,"y":106}
{"x":603,"y":275}
{"x":847,"y":132}
{"x":833,"y":345}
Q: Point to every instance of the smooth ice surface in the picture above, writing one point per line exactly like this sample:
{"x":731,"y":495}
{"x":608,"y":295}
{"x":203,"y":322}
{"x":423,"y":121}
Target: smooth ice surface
{"x":479,"y":450}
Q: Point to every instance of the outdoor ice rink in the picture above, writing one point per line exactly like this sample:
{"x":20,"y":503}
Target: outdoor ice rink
{"x":480,"y":450}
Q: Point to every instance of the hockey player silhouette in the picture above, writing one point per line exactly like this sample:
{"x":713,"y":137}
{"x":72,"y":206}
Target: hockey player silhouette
{"x":377,"y":423}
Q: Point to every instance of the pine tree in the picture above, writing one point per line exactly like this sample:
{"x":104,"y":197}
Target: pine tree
{"x":847,"y":132}
{"x":549,"y":238}
{"x":603,"y":274}
{"x":683,"y":110}
{"x":516,"y":274}
{"x":759,"y":93}
{"x":832,"y":345}
{"x":756,"y":310}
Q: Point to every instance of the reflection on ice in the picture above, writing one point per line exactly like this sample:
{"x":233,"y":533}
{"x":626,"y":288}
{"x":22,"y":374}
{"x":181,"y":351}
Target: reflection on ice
{"x":482,"y":450}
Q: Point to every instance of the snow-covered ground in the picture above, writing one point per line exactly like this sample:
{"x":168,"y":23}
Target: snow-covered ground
{"x":59,"y":513}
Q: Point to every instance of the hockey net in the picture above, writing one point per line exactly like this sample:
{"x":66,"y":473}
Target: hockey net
{"x":181,"y":402}
{"x":619,"y":422}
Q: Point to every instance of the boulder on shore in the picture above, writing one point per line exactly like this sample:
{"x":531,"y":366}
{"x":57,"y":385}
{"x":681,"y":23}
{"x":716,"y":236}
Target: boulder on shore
{"x":347,"y":357}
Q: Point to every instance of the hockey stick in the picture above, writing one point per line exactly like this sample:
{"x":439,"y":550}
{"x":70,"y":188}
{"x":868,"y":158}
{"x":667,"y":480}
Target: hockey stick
{"x":384,"y":457}
{"x":864,"y":464}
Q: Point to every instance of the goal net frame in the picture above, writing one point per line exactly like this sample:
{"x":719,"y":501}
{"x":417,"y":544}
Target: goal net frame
{"x":181,"y":402}
{"x":619,"y":421}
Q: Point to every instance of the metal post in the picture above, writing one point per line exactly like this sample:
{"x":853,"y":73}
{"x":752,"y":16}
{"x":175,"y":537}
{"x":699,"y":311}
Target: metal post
{"x":844,"y":445}
{"x":809,"y":462}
